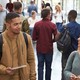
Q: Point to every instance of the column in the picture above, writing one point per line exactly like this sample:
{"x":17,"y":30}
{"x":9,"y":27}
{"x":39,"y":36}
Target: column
{"x":39,"y":5}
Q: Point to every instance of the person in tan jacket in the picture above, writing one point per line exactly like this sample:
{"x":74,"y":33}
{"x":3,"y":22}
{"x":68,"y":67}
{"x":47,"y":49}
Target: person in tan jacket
{"x":15,"y":53}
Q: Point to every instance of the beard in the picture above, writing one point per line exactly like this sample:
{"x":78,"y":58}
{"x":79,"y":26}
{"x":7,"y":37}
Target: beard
{"x":15,"y":32}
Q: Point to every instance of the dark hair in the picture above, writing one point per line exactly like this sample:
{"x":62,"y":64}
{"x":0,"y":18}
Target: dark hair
{"x":47,"y":4}
{"x":73,"y":14}
{"x":31,"y":2}
{"x":11,"y":16}
{"x":45,"y":12}
{"x":17,"y":5}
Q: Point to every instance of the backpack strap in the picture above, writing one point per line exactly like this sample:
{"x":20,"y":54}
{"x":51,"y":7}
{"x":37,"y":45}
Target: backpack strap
{"x":1,"y":43}
{"x":26,"y":40}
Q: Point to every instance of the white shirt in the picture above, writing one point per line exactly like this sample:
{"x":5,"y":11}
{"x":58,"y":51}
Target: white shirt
{"x":59,"y":17}
{"x":32,"y":21}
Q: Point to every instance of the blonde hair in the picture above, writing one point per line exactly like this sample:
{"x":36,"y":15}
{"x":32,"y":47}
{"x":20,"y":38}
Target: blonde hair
{"x":58,"y":8}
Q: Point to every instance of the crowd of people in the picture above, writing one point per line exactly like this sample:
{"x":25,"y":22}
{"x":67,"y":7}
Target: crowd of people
{"x":17,"y":60}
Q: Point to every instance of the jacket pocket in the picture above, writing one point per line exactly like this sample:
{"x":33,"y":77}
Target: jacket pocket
{"x":4,"y":77}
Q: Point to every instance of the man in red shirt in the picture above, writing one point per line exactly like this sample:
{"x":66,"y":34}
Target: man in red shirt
{"x":9,"y":6}
{"x":43,"y":33}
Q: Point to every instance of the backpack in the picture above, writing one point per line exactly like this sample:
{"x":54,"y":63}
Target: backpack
{"x":65,"y":40}
{"x":1,"y":42}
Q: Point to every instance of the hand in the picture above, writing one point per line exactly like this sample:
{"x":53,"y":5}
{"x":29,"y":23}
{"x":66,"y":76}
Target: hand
{"x":9,"y":71}
{"x":73,"y":77}
{"x":78,"y":77}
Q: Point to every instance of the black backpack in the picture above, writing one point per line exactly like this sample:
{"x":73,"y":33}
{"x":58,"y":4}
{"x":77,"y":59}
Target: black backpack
{"x":1,"y":42}
{"x":65,"y":40}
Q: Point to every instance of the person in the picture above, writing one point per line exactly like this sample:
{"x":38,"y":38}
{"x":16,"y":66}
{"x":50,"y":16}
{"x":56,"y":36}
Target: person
{"x":3,"y":13}
{"x":42,"y":5}
{"x":47,"y":5}
{"x":59,"y":16}
{"x":9,"y":6}
{"x":23,"y":7}
{"x":31,"y":7}
{"x":17,"y":7}
{"x":72,"y":69}
{"x":15,"y":53}
{"x":25,"y":26}
{"x":32,"y":20}
{"x":74,"y":31}
{"x":43,"y":34}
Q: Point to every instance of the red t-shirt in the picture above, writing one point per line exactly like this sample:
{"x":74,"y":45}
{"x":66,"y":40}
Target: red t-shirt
{"x":42,"y":33}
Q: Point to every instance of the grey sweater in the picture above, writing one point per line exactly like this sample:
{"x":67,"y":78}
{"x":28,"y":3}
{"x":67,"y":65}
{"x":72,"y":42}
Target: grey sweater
{"x":72,"y":65}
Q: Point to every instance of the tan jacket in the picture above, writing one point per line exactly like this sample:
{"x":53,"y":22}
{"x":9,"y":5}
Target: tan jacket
{"x":12,"y":57}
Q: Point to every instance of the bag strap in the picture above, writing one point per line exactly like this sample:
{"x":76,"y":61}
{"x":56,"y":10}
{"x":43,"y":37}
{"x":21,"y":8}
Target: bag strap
{"x":1,"y":43}
{"x":26,"y":40}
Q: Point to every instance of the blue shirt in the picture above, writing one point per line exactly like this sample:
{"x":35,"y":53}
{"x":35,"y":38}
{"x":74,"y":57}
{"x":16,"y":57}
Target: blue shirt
{"x":74,"y":30}
{"x":32,"y":7}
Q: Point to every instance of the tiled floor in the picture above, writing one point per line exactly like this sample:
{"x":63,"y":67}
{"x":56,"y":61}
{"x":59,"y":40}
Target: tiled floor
{"x":56,"y":64}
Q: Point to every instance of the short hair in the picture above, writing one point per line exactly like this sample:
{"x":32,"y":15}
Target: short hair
{"x":33,"y":12}
{"x":11,"y":16}
{"x":45,"y":12}
{"x":47,"y":4}
{"x":31,"y":1}
{"x":73,"y":14}
{"x":17,"y":5}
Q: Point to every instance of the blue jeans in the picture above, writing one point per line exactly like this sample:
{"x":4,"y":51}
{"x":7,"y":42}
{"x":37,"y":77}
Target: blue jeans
{"x":59,"y":26}
{"x":47,"y":59}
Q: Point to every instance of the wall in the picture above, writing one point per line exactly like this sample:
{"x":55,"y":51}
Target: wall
{"x":3,"y":2}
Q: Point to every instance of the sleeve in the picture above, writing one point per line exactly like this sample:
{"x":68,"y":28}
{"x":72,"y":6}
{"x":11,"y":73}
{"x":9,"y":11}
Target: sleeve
{"x":2,"y":69}
{"x":68,"y":67}
{"x":31,"y":59}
